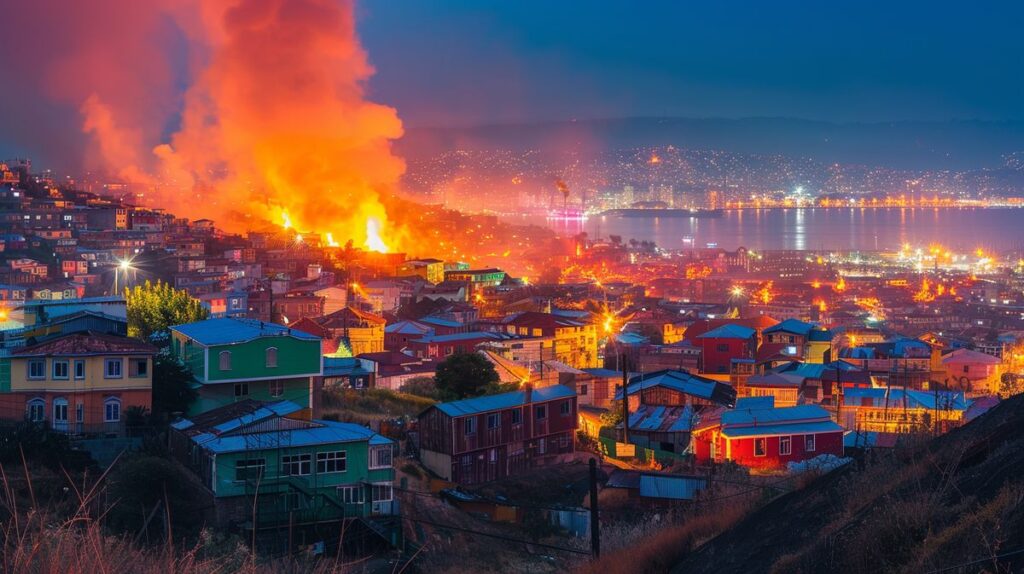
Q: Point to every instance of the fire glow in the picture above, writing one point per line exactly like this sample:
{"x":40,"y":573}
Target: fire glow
{"x":274,"y":123}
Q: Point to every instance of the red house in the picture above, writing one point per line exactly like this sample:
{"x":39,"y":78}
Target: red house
{"x":757,"y":435}
{"x":721,"y":345}
{"x":486,"y":438}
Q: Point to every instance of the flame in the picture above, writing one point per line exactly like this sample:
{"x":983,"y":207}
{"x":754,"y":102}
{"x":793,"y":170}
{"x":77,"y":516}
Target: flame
{"x":840,"y":286}
{"x":287,"y":221}
{"x":816,"y":284}
{"x":764,"y":295}
{"x":330,"y":240}
{"x":373,"y":239}
{"x":654,"y":159}
{"x":925,"y":295}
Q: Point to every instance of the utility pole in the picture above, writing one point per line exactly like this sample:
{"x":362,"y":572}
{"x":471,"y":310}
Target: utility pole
{"x":625,"y":400}
{"x":595,"y":523}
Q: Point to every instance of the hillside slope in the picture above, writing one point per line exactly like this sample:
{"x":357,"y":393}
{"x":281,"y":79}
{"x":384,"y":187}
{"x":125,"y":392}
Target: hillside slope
{"x":945,"y":502}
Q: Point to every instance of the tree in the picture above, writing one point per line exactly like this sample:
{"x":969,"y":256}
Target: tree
{"x":172,"y":388}
{"x":465,"y":375}
{"x":420,"y":386}
{"x":155,"y":307}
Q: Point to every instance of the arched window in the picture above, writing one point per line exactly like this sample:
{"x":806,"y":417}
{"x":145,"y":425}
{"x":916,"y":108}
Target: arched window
{"x":271,"y":356}
{"x":112,"y":410}
{"x":225,"y":360}
{"x":36,"y":410}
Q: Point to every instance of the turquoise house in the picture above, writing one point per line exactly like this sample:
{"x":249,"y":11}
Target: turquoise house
{"x":265,"y":465}
{"x":240,"y":359}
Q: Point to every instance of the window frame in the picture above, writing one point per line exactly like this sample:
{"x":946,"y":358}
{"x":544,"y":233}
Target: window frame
{"x":788,"y":442}
{"x":133,"y":364}
{"x":33,"y":405}
{"x":267,"y":356}
{"x":224,"y":358}
{"x":241,"y":390}
{"x":469,"y":426}
{"x":540,"y":412}
{"x":107,"y":363}
{"x":323,"y":459}
{"x":382,"y":487}
{"x":375,"y":462}
{"x":517,"y":416}
{"x":261,"y":464}
{"x":276,"y":388}
{"x":108,"y":403}
{"x":565,"y":409}
{"x":79,"y":363}
{"x":763,"y":443}
{"x":343,"y":491}
{"x":41,"y":363}
{"x":496,"y":418}
{"x":300,"y":461}
{"x":810,"y":442}
{"x":67,"y":370}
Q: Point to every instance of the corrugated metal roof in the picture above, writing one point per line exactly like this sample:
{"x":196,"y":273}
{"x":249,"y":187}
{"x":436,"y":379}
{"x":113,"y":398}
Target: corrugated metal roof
{"x":795,"y":326}
{"x":329,"y":432}
{"x":683,"y":382}
{"x":657,"y":418}
{"x":673,"y":487}
{"x":895,"y":397}
{"x":226,"y":331}
{"x":730,"y":331}
{"x":759,"y":417}
{"x":782,"y":429}
{"x":503,"y":401}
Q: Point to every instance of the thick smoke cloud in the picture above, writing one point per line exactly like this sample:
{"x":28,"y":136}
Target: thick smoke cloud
{"x":272,"y":119}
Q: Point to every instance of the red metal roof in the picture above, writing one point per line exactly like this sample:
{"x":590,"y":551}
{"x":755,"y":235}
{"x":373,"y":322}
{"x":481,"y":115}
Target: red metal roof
{"x":87,"y":343}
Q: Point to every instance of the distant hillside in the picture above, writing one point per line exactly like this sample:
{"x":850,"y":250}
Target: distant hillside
{"x":903,"y":145}
{"x":951,"y":501}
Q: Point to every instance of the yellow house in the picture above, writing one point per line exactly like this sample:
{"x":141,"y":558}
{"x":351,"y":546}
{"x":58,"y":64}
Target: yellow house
{"x":572,"y":342}
{"x":81,"y":383}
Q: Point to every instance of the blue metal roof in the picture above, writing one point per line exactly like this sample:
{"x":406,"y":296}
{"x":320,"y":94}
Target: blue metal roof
{"x":459,"y":337}
{"x":779,"y":380}
{"x":773,"y":416}
{"x":344,"y":366}
{"x":503,"y":401}
{"x":795,"y":326}
{"x":881,"y":397}
{"x":440,"y":322}
{"x":729,"y":331}
{"x":782,"y":429}
{"x":326,"y":432}
{"x":226,"y":330}
{"x":755,"y":403}
{"x":674,"y":487}
{"x":408,"y":328}
{"x":676,"y":380}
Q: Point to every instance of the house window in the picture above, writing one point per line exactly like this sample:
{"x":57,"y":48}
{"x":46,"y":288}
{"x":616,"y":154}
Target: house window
{"x":966,"y":369}
{"x":809,"y":443}
{"x":381,"y":492}
{"x":493,"y":421}
{"x":138,"y":368}
{"x":241,"y":389}
{"x":271,"y":357}
{"x":112,"y":410}
{"x":36,"y":410}
{"x":541,"y":412}
{"x":469,"y":425}
{"x":60,"y":369}
{"x":380,"y":457}
{"x":79,"y":413}
{"x":60,"y":411}
{"x":276,"y":388}
{"x":722,"y":348}
{"x":583,"y":390}
{"x":542,"y":446}
{"x":296,"y":464}
{"x":79,"y":369}
{"x":785,"y":445}
{"x":37,"y":369}
{"x":565,"y":409}
{"x":250,"y":469}
{"x":327,"y":462}
{"x":225,"y":360}
{"x":351,"y":494}
{"x":759,"y":447}
{"x":517,"y":417}
{"x":112,"y":369}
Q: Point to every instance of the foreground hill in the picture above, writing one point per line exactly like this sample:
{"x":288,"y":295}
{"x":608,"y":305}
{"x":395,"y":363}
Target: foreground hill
{"x":953,"y":503}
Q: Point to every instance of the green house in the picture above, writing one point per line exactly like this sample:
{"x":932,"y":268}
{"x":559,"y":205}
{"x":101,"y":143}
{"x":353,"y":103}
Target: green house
{"x":265,"y":465}
{"x":238,"y":359}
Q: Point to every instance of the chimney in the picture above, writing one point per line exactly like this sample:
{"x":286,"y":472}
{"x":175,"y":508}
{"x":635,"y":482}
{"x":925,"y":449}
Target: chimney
{"x":528,"y":390}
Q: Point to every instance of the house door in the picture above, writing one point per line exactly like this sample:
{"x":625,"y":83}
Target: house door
{"x":60,"y":414}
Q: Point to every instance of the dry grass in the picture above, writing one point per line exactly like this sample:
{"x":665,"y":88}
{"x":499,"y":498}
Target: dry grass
{"x":655,"y":547}
{"x":53,"y":540}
